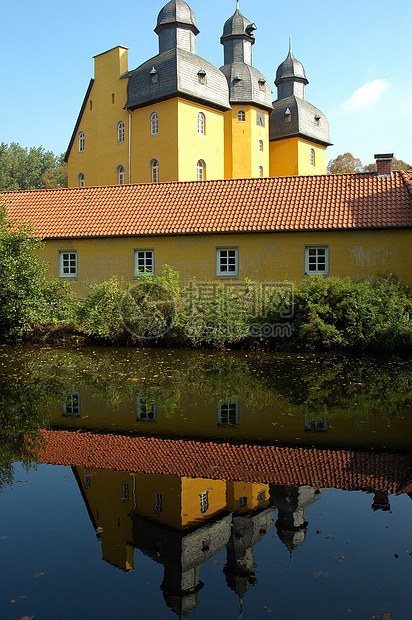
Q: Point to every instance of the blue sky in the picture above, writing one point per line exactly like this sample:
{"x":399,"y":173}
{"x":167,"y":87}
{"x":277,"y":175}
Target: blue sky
{"x":357,"y":55}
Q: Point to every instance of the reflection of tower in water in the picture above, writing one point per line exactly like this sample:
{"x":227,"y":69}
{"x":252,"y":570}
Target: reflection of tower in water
{"x":291,"y":502}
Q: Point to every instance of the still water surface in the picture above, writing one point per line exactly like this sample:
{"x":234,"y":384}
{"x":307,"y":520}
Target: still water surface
{"x":230,"y":485}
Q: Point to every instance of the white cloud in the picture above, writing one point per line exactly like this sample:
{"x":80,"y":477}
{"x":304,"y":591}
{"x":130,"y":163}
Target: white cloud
{"x":366,"y":94}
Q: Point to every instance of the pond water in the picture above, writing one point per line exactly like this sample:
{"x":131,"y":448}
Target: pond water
{"x":155,"y":484}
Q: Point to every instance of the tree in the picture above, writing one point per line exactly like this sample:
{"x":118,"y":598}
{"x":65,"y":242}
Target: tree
{"x":345,"y":163}
{"x":397,"y":164}
{"x":33,"y":168}
{"x":27,"y":297}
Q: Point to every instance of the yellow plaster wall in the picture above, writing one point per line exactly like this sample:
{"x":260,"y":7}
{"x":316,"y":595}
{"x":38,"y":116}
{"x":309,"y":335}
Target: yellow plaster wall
{"x":104,"y":108}
{"x":262,"y":257}
{"x":283,"y":157}
{"x":163,"y":146}
{"x":193,"y":146}
{"x":242,"y":155}
{"x":304,"y":166}
{"x":257,"y":495}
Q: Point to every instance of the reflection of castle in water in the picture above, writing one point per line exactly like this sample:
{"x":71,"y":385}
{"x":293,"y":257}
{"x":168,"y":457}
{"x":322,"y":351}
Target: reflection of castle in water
{"x":181,"y":502}
{"x":178,"y":525}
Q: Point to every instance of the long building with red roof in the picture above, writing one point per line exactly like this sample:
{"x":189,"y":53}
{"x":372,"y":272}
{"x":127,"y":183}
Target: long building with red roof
{"x":270,"y":229}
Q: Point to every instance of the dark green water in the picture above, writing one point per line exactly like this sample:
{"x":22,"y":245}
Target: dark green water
{"x":224,"y":484}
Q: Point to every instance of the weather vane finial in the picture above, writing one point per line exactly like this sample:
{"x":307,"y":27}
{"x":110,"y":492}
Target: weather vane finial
{"x":237,"y":5}
{"x":290,"y":44}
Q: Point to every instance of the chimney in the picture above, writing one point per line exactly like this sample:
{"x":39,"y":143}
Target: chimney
{"x":383,"y":164}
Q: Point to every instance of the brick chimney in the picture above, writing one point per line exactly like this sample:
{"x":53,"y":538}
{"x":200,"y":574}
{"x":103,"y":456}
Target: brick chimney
{"x":383,"y":164}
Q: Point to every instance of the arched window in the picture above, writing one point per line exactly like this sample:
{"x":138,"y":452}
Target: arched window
{"x":81,"y":141}
{"x":154,"y":165}
{"x":82,"y":179}
{"x":312,"y":157}
{"x":201,"y":124}
{"x":154,"y":123}
{"x":120,"y":132}
{"x":241,"y":116}
{"x":260,"y":172}
{"x":120,"y":174}
{"x":261,"y":146}
{"x":201,"y":170}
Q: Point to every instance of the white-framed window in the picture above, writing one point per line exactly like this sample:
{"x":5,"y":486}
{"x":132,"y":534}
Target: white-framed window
{"x":204,"y":502}
{"x":316,"y":425}
{"x":81,"y":177}
{"x":154,"y":123}
{"x":241,"y":116}
{"x":81,"y":138}
{"x":68,"y":264}
{"x":158,"y":507}
{"x":125,"y":496}
{"x":316,"y":260}
{"x":71,"y":405}
{"x":312,"y":157}
{"x":145,"y":409}
{"x":143,"y":263}
{"x":201,"y":124}
{"x":201,"y":170}
{"x":228,"y":413}
{"x":261,"y":146}
{"x":120,"y":132}
{"x":260,"y":172}
{"x":227,"y":262}
{"x":154,"y":165}
{"x":120,"y":171}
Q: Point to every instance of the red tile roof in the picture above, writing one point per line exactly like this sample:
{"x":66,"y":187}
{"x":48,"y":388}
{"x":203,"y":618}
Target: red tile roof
{"x":340,"y":469}
{"x":327,"y":202}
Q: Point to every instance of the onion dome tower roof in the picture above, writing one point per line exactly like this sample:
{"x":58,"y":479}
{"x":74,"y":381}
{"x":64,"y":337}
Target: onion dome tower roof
{"x":176,"y":12}
{"x":238,"y":25}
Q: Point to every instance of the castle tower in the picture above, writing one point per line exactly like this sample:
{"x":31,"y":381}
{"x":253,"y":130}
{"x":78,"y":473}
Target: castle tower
{"x":247,"y":123}
{"x":299,"y":132}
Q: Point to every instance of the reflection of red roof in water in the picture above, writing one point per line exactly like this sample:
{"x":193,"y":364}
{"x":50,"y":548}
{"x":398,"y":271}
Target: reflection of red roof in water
{"x":342,"y":469}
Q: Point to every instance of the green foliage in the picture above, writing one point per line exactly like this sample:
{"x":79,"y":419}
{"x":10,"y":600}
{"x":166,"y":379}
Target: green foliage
{"x":30,"y":168}
{"x":330,"y":313}
{"x":345,"y":163}
{"x":27,"y":297}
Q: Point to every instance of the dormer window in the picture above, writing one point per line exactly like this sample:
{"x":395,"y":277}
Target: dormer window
{"x":262,"y":84}
{"x":153,"y":76}
{"x":317,"y":120}
{"x":201,"y":76}
{"x":288,"y":115}
{"x":237,"y":80}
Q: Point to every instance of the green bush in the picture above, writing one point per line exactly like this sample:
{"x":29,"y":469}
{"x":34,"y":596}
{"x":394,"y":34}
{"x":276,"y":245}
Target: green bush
{"x":27,"y":297}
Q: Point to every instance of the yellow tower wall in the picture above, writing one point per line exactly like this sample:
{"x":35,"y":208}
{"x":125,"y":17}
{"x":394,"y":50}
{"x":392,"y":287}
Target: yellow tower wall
{"x":242,"y":155}
{"x":192,"y":146}
{"x":163,"y":146}
{"x":103,"y":110}
{"x":291,"y":157}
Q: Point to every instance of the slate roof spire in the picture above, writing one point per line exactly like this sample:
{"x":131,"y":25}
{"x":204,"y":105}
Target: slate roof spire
{"x":291,"y":77}
{"x":237,"y":38}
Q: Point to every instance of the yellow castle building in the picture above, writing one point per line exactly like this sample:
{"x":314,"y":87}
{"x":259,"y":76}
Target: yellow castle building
{"x":177,"y":117}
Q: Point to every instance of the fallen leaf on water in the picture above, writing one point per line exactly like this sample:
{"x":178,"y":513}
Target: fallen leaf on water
{"x":349,"y":609}
{"x":330,"y":537}
{"x":267,"y":609}
{"x":21,"y":481}
{"x":395,"y":555}
{"x":27,"y":618}
{"x":341,"y":558}
{"x":216,"y":562}
{"x":318,"y":531}
{"x":408,"y":552}
{"x":320,"y":573}
{"x":39,"y":574}
{"x":12,"y":600}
